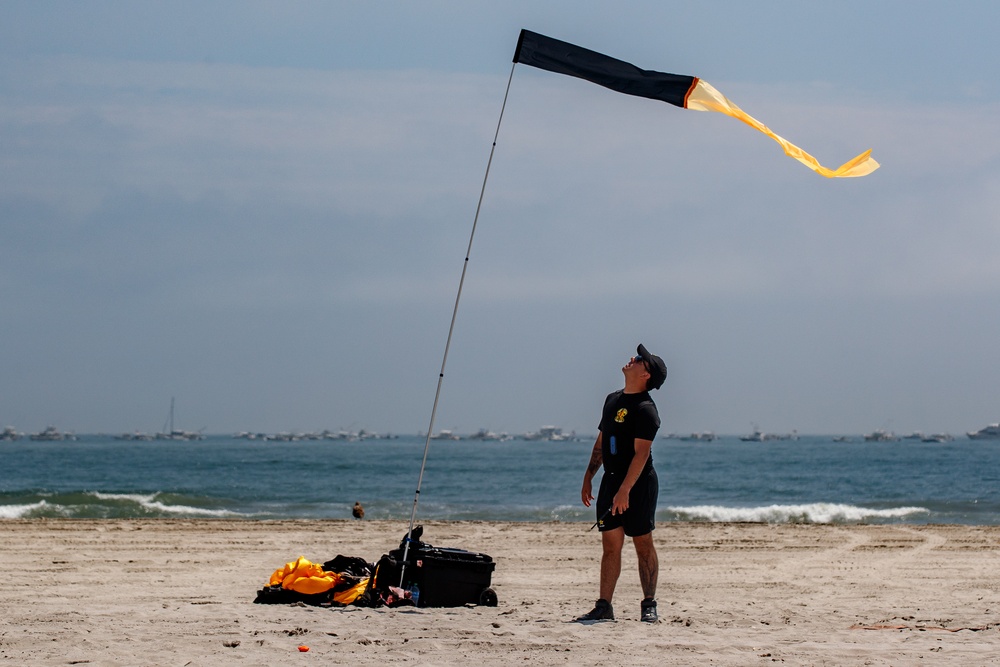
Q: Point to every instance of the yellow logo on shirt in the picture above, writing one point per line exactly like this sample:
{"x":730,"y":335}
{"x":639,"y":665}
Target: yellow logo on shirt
{"x":620,"y":417}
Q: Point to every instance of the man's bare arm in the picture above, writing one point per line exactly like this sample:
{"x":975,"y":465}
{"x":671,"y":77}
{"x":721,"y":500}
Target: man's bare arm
{"x":596,"y":457}
{"x":596,"y":460}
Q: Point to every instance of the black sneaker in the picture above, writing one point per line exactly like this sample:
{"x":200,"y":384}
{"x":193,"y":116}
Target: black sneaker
{"x":649,"y":611}
{"x":602,"y":611}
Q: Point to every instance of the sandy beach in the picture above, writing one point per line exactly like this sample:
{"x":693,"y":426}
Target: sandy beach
{"x":178,"y":592}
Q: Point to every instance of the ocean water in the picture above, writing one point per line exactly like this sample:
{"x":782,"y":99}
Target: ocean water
{"x":814,"y":479}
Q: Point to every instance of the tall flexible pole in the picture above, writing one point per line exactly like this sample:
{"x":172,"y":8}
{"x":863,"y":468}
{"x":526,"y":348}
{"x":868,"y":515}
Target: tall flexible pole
{"x":451,"y":330}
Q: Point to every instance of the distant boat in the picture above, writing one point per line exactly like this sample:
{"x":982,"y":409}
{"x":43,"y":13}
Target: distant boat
{"x":50,"y":434}
{"x":445,"y":434}
{"x":9,"y":434}
{"x":991,"y":432}
{"x":880,"y":435}
{"x":704,"y":436}
{"x":937,"y":437}
{"x":284,"y":436}
{"x":549,"y":433}
{"x":170,"y":433}
{"x":135,"y":437}
{"x":760,"y":436}
{"x":485,"y":435}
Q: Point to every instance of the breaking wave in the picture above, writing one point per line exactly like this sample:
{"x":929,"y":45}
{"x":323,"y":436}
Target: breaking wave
{"x":810,"y":513}
{"x":98,"y":505}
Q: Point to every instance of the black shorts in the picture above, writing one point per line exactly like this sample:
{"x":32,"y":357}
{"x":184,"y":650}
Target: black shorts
{"x":640,"y":517}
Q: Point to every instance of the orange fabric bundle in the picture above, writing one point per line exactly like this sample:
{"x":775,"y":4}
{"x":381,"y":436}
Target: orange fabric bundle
{"x":304,"y":576}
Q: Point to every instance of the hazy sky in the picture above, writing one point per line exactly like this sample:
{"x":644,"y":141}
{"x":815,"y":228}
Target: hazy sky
{"x":262,"y":209}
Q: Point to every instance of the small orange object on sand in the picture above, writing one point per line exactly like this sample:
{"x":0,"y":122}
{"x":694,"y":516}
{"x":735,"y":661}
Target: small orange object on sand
{"x":303,"y":648}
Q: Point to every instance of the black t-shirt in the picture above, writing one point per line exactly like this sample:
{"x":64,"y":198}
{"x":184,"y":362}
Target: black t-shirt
{"x":626,"y":417}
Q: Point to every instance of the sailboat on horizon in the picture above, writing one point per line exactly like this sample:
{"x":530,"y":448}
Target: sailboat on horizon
{"x":171,"y":433}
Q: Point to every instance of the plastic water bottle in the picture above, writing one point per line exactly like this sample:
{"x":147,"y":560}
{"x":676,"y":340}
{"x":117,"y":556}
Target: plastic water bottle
{"x":415,"y":595}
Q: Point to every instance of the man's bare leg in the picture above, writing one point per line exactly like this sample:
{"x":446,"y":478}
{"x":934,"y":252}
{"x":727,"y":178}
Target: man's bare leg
{"x":649,"y":564}
{"x":611,"y":561}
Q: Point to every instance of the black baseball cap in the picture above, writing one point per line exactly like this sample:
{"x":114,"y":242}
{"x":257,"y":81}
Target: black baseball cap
{"x":657,"y":369}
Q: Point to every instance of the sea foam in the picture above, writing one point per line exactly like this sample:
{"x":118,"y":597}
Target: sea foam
{"x":151,"y":504}
{"x":100,"y":505}
{"x":21,"y":511}
{"x":810,"y":513}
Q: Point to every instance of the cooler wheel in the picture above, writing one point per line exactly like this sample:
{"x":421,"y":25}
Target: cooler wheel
{"x":488,"y":598}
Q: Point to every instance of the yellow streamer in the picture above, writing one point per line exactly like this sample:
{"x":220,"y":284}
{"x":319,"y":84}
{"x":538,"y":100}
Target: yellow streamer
{"x":704,"y":97}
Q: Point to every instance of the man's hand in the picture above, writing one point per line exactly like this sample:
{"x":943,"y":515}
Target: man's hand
{"x":620,"y":502}
{"x":586,"y":493}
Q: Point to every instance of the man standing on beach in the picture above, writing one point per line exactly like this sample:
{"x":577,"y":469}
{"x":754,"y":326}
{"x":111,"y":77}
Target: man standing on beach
{"x":626,"y":502}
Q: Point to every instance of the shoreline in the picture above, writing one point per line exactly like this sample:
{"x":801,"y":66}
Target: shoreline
{"x":180,"y":591}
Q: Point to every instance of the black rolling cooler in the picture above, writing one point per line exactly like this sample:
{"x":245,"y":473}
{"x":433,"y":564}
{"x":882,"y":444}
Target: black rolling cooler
{"x":446,"y":577}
